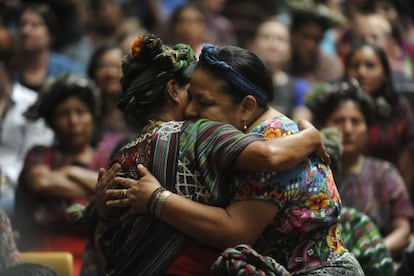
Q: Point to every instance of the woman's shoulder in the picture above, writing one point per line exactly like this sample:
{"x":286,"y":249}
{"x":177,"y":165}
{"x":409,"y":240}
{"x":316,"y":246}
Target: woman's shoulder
{"x":374,"y":164}
{"x":40,"y":150}
{"x":277,"y":126}
{"x":204,"y":126}
{"x":40,"y":154}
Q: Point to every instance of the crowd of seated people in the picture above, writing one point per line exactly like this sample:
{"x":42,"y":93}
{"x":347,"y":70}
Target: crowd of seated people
{"x":62,"y":65}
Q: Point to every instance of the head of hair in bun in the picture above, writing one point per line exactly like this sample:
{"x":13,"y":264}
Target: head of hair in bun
{"x":146,"y":71}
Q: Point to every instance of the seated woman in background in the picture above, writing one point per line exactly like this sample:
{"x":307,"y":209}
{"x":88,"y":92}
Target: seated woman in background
{"x":271,"y":43}
{"x":105,"y":68}
{"x":37,"y":34}
{"x":360,"y":234}
{"x":391,"y":135}
{"x":57,"y":177}
{"x":371,"y":185}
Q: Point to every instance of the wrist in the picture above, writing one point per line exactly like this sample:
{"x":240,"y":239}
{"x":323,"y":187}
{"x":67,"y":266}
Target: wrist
{"x":157,"y":200}
{"x":314,"y":136}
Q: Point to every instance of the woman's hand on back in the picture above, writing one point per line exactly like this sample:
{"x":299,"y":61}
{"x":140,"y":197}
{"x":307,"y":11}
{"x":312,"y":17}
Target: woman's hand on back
{"x":320,"y":149}
{"x":134,"y":195}
{"x":105,"y":181}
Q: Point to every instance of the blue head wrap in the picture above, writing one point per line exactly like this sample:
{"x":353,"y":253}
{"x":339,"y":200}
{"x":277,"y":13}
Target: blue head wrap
{"x":208,"y":55}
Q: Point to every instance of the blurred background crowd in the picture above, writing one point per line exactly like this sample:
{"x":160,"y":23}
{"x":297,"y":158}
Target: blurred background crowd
{"x":60,"y":71}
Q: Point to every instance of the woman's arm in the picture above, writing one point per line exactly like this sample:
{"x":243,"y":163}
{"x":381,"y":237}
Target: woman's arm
{"x":397,"y":240}
{"x":83,"y":177}
{"x":53,"y":182}
{"x":217,"y":227}
{"x":214,"y":226}
{"x":283,"y":153}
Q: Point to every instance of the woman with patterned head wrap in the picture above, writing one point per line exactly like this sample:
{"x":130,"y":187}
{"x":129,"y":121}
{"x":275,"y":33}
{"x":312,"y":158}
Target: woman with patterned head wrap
{"x":359,"y":232}
{"x":189,"y":158}
{"x":371,"y":185}
{"x":298,"y":208}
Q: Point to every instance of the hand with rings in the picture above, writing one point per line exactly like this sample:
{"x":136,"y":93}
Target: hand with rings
{"x":135,"y":195}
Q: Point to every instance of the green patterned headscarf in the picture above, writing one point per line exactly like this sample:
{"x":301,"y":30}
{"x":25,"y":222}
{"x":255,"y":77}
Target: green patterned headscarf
{"x":147,"y":69}
{"x":332,"y":140}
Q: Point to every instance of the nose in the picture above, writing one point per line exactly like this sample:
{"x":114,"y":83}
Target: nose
{"x":73,"y":118}
{"x":347,"y":127}
{"x":362,"y":71}
{"x":25,"y":28}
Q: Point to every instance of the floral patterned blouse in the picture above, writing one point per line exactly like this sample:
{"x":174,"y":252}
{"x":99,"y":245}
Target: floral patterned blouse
{"x":304,"y":233}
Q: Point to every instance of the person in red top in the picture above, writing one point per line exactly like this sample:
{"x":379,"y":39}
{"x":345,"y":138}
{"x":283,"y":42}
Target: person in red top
{"x":61,"y":176}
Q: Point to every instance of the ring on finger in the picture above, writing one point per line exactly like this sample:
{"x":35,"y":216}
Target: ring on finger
{"x":124,"y":193}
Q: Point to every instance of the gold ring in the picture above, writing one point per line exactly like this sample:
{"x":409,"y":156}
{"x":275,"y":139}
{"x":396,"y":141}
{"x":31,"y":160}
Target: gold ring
{"x":124,"y":193}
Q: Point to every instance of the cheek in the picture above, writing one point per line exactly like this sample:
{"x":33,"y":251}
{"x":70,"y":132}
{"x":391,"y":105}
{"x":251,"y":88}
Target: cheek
{"x":218,"y":113}
{"x":329,"y":123}
{"x":361,"y":133}
{"x":211,"y":114}
{"x":42,"y":35}
{"x":88,"y":122}
{"x":377,"y":79}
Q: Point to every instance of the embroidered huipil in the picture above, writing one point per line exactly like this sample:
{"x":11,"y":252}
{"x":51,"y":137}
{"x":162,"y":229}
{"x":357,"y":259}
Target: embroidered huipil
{"x":192,"y":159}
{"x":304,"y":233}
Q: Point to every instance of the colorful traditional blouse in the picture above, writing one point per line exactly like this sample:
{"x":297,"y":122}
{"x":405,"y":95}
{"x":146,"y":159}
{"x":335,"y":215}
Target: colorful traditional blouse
{"x":304,"y":234}
{"x":362,"y":237}
{"x":378,"y":191}
{"x":192,"y":159}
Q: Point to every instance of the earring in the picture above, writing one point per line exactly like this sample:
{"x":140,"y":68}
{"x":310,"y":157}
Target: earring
{"x":244,"y":126}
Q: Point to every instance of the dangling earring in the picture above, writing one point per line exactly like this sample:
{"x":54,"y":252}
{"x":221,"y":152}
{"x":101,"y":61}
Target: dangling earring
{"x":244,"y":126}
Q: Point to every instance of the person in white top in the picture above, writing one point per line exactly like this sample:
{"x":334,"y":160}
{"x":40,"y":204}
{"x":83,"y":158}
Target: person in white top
{"x":17,"y":134}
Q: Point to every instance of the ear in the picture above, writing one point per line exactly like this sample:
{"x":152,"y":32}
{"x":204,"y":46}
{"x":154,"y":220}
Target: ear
{"x":172,"y":91}
{"x":248,"y":107}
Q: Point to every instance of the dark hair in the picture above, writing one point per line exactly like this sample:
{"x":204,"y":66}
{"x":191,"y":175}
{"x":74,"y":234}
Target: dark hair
{"x":96,"y":55}
{"x":49,"y":17}
{"x":58,"y":90}
{"x":300,"y":19}
{"x":387,"y":90}
{"x":146,"y":71}
{"x":310,"y":12}
{"x":245,"y":63}
{"x":324,"y":99}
